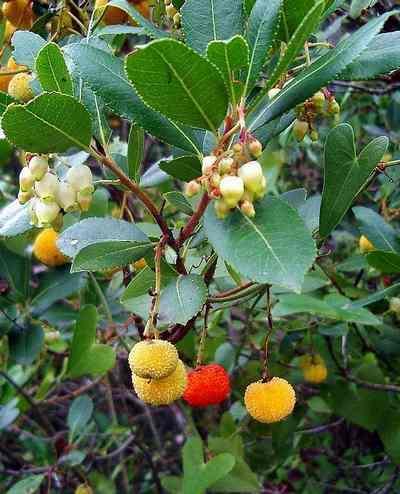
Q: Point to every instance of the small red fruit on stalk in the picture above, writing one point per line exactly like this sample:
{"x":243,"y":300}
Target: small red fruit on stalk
{"x":207,"y":385}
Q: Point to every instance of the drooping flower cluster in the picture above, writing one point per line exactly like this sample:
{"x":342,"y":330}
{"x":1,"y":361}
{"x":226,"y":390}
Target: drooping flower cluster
{"x":49,"y":196}
{"x":234,"y":179}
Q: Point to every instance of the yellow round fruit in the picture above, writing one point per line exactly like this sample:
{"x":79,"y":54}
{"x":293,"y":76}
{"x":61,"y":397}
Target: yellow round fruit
{"x":19,"y":87}
{"x":314,"y":368}
{"x":161,"y":391}
{"x":153,"y":359}
{"x":270,"y":401}
{"x":11,"y":66}
{"x":365,"y":245}
{"x":113,"y":15}
{"x":46,"y":250}
{"x":83,"y":489}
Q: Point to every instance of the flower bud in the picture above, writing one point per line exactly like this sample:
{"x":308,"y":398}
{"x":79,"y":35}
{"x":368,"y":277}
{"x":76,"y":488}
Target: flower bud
{"x":251,"y":173}
{"x":273,"y":92}
{"x":25,"y":196}
{"x":225,"y":165}
{"x":26,"y":179}
{"x":333,"y":107}
{"x":177,"y":19}
{"x":47,"y":188}
{"x":221,"y":209}
{"x":208,"y":163}
{"x":84,"y":199}
{"x":300,"y":129}
{"x":46,"y":212}
{"x":255,"y":148}
{"x":247,"y":209}
{"x":170,"y":10}
{"x":38,"y":165}
{"x":80,"y":178}
{"x":66,"y":197}
{"x":215,"y":180}
{"x":237,"y":148}
{"x":232,"y":190}
{"x":319,"y":100}
{"x":192,"y":188}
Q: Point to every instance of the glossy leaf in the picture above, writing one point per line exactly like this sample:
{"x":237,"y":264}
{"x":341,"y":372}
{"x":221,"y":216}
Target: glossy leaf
{"x":52,"y":71}
{"x":79,"y":414}
{"x":184,"y":168}
{"x":385,"y":262}
{"x":135,"y":152}
{"x":5,"y":100}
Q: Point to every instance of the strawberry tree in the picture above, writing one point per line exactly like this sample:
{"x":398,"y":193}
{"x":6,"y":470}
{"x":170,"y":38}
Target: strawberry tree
{"x":172,"y":262}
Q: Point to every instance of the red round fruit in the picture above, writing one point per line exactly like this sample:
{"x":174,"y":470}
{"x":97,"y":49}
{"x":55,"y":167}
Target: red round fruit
{"x":207,"y":385}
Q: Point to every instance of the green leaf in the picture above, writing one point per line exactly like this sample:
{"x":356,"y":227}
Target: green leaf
{"x":381,"y":57}
{"x":199,"y":476}
{"x":320,"y":72}
{"x":331,"y":307}
{"x":135,"y":152}
{"x":345,"y":173}
{"x":26,"y":47}
{"x":148,"y":26}
{"x":14,"y":219}
{"x":104,"y":74}
{"x":229,"y":56}
{"x":182,"y":299}
{"x":88,"y":357}
{"x":179,"y":201}
{"x":391,"y":291}
{"x":209,"y":21}
{"x":5,"y":100}
{"x":293,"y":13}
{"x":389,"y":433}
{"x":108,"y":255}
{"x":306,"y":27}
{"x":79,"y":414}
{"x":181,"y":84}
{"x":27,"y":486}
{"x":8,"y":413}
{"x":55,"y":286}
{"x":52,"y":71}
{"x":261,"y":32}
{"x":385,"y":262}
{"x":273,"y":247}
{"x":50,"y":123}
{"x":184,"y":168}
{"x":97,"y":230}
{"x":26,"y":343}
{"x":371,"y":224}
{"x":17,"y":271}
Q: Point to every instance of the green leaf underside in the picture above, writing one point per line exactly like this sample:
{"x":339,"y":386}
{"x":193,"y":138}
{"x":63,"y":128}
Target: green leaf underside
{"x":88,"y":357}
{"x":262,"y":28}
{"x":296,"y":43}
{"x":52,"y":70}
{"x":385,"y":262}
{"x":176,"y":81}
{"x":50,"y":123}
{"x":109,"y":255}
{"x":321,"y":72}
{"x":104,"y":74}
{"x":211,"y":20}
{"x":345,"y":173}
{"x":26,"y":47}
{"x":97,"y":230}
{"x":273,"y":247}
{"x":14,"y":219}
{"x":382,"y":235}
{"x":182,"y":299}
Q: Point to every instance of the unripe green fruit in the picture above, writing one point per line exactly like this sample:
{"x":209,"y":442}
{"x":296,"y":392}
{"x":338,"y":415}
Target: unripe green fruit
{"x":66,"y":197}
{"x":192,"y":188}
{"x":221,"y":209}
{"x":255,"y":148}
{"x":319,"y":100}
{"x":26,"y":179}
{"x":247,"y":209}
{"x":46,"y":213}
{"x":47,"y":188}
{"x":225,"y":166}
{"x":394,"y":305}
{"x":300,"y":129}
{"x":38,"y":165}
{"x":251,"y":173}
{"x":232,"y":190}
{"x":237,"y":148}
{"x":333,"y":107}
{"x":208,"y":163}
{"x":19,"y":87}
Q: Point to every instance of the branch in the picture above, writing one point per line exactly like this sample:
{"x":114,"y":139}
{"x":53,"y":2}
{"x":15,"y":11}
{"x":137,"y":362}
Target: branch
{"x":369,"y":90}
{"x":194,"y":220}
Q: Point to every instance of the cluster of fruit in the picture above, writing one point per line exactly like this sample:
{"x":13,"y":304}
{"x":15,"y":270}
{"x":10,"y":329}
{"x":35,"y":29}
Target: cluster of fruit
{"x":113,"y":15}
{"x":16,"y":81}
{"x":322,"y":104}
{"x":232,"y":179}
{"x":172,"y":13}
{"x":159,"y":378}
{"x":48,"y":195}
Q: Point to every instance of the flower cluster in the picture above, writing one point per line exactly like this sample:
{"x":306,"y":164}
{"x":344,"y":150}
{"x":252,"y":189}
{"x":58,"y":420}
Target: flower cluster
{"x":234,"y":179}
{"x":172,"y":12}
{"x":49,"y":196}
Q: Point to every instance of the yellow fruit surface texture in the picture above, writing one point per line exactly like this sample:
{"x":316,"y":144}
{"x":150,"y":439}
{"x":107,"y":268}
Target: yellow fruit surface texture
{"x":161,"y":391}
{"x":270,"y":401}
{"x":19,"y":87}
{"x":46,"y":250}
{"x":314,"y":368}
{"x":153,"y":359}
